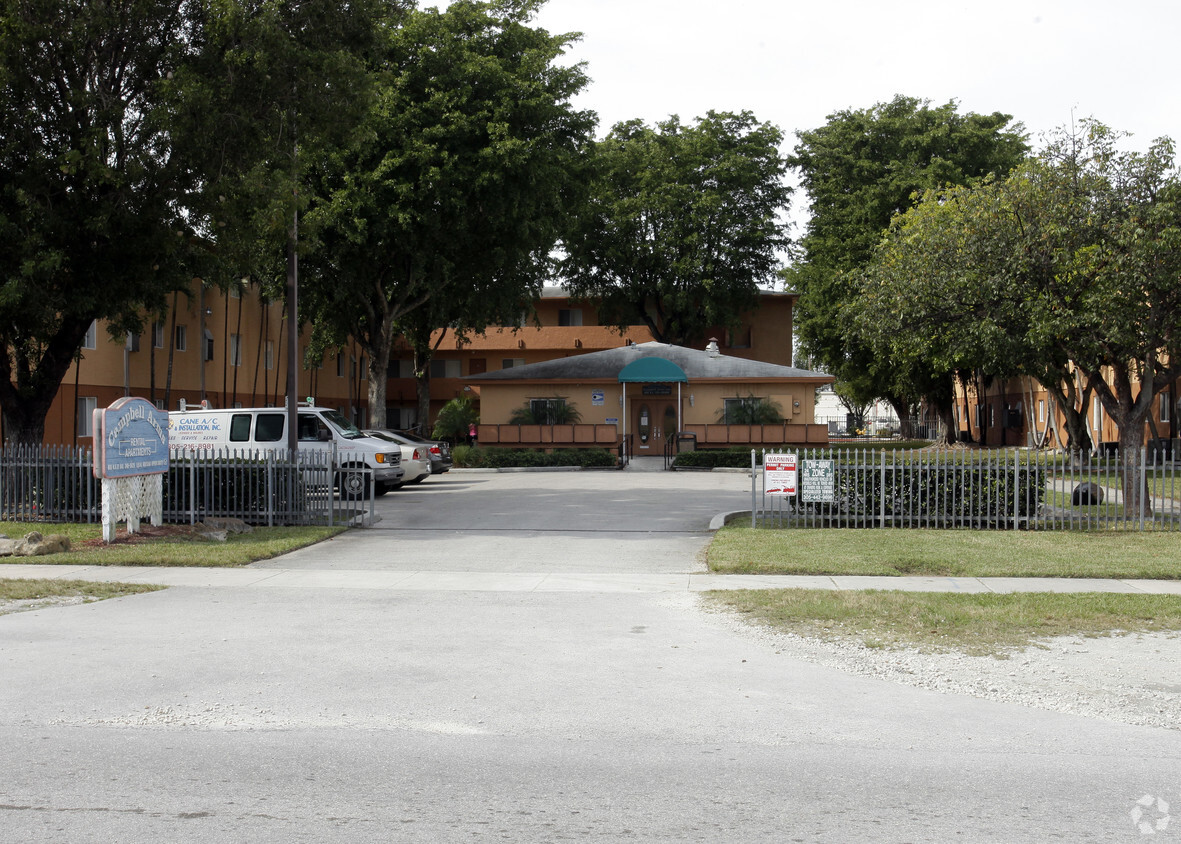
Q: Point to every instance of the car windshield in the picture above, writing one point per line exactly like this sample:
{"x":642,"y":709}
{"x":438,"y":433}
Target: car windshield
{"x":415,"y":437}
{"x":347,"y":429}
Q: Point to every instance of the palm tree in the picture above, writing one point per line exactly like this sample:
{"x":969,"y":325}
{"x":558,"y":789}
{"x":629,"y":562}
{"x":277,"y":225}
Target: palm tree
{"x":751,"y":410}
{"x":556,"y":411}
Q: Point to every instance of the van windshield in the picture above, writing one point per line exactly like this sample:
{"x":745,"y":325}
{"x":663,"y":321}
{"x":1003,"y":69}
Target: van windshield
{"x":347,"y":429}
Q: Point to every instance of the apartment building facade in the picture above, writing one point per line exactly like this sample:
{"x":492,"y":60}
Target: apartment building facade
{"x":229,"y":348}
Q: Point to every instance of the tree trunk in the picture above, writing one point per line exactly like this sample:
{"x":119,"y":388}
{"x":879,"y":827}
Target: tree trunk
{"x":947,"y":417}
{"x":422,"y":385}
{"x":902,"y":411}
{"x":379,"y":366}
{"x":1129,"y":415}
{"x":24,"y":422}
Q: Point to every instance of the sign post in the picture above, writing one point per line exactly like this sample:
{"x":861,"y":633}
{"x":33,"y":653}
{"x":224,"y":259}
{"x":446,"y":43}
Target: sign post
{"x":131,"y":457}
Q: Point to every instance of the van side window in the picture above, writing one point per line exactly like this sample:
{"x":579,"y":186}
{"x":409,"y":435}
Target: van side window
{"x":269,"y":428}
{"x":240,"y":428}
{"x":309,"y":427}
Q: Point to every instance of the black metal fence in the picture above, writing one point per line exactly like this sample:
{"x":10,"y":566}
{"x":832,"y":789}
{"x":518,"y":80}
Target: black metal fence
{"x":952,"y":488}
{"x":272,"y":487}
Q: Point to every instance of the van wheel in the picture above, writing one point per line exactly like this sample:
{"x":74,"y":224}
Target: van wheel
{"x":353,"y":486}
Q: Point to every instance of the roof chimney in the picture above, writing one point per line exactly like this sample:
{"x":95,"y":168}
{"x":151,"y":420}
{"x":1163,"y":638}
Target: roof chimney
{"x":711,"y":348}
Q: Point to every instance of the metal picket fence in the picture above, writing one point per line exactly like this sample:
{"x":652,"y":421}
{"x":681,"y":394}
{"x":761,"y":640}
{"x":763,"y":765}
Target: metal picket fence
{"x":272,"y":487}
{"x":966,"y":488}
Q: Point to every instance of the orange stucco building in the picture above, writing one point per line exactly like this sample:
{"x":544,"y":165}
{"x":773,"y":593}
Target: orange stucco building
{"x":230,"y":349}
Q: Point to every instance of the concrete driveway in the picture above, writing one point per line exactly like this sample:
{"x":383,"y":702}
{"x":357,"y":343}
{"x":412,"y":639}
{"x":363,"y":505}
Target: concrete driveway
{"x":323,"y":713}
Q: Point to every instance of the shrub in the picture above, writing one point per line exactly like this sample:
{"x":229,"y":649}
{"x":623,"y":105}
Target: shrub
{"x":474,"y":457}
{"x":455,"y":420}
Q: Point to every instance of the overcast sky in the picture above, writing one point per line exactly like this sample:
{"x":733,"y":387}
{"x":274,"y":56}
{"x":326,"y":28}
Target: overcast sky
{"x":793,"y":63}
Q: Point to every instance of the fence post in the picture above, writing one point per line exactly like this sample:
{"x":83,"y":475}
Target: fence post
{"x":1016,"y":488}
{"x":1142,"y":481}
{"x":882,"y":488}
{"x":752,"y":488}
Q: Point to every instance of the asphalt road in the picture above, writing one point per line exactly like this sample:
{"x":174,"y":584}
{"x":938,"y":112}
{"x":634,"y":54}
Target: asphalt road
{"x":330,"y":714}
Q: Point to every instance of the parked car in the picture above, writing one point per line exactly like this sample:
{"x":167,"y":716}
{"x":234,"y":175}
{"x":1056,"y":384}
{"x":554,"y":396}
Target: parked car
{"x":255,"y":429}
{"x":416,"y":457}
{"x":440,"y":451}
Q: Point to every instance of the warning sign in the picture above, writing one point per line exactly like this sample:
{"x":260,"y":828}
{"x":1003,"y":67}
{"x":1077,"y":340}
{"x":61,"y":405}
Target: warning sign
{"x":779,"y":474}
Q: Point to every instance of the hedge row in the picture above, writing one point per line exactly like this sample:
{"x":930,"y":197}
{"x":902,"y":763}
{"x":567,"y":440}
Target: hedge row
{"x":474,"y":457}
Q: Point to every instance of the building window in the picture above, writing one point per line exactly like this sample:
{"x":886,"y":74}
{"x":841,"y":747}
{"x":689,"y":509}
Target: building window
{"x":1166,"y":402}
{"x":208,"y":344}
{"x":547,"y":411}
{"x":738,"y":338}
{"x":741,"y":410}
{"x":270,"y":354}
{"x":182,"y":338}
{"x":340,"y":373}
{"x":86,"y":407}
{"x":509,"y":363}
{"x":90,"y":341}
{"x":405,"y":368}
{"x":1041,"y":411}
{"x":235,"y":350}
{"x":158,"y":334}
{"x":992,"y":416}
{"x":445,"y":369}
{"x":570,"y":316}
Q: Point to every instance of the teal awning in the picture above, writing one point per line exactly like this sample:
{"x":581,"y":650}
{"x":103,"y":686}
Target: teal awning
{"x":651,"y":369}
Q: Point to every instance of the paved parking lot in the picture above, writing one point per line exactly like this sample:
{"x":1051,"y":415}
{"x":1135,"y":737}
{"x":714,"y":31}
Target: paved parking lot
{"x":264,"y":711}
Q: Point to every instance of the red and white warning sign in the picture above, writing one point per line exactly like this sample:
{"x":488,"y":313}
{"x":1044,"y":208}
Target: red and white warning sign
{"x":779,"y":474}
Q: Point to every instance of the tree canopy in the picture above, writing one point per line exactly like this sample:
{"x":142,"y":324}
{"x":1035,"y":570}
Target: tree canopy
{"x":143,"y":144}
{"x":861,"y":169}
{"x":91,"y":222}
{"x":1072,"y":263}
{"x":682,"y":225}
{"x":453,"y":188}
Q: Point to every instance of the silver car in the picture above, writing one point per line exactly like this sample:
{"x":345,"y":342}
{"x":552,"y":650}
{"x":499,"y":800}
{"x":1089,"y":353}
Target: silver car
{"x":416,"y":459}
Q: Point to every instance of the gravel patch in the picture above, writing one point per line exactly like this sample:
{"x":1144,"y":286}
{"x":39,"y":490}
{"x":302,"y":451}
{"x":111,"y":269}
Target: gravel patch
{"x":24,"y":604}
{"x":1130,"y":678}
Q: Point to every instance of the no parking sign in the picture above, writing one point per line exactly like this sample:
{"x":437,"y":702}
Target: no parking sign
{"x":779,"y":474}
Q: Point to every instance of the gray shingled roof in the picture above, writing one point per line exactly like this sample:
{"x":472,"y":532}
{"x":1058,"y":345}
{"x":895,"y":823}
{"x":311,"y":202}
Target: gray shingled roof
{"x":606,"y":364}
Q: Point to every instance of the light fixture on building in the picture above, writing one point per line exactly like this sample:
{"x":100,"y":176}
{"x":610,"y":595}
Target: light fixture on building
{"x":690,"y":400}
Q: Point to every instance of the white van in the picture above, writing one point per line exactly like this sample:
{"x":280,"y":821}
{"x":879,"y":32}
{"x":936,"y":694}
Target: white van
{"x":201,"y":428}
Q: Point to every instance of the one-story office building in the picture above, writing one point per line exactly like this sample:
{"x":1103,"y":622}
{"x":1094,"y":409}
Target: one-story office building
{"x":646,"y":396}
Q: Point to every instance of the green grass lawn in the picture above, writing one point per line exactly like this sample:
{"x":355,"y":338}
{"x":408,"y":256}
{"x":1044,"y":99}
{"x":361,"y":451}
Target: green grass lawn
{"x":940,"y":553}
{"x":975,"y":624}
{"x":971,"y":623}
{"x":32,"y":593}
{"x":183,"y":550}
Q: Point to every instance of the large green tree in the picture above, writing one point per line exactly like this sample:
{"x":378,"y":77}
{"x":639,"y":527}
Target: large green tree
{"x":682,"y":225}
{"x":91,"y":200}
{"x":1073,"y":262}
{"x":144,"y":143}
{"x":860,"y":169}
{"x":453,"y":190}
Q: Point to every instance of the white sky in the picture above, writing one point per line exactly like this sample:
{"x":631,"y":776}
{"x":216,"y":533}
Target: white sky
{"x":793,"y":63}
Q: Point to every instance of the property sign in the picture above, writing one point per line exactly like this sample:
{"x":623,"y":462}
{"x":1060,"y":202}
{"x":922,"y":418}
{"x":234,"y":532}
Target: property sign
{"x":779,"y":474}
{"x":816,"y":480}
{"x":130,"y":438}
{"x":597,"y":398}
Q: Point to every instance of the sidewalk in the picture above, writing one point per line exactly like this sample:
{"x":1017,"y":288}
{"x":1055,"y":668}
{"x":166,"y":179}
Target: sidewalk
{"x":468,"y":581}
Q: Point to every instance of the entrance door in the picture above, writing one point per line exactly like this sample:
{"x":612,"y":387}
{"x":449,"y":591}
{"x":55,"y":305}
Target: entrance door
{"x":655,"y":423}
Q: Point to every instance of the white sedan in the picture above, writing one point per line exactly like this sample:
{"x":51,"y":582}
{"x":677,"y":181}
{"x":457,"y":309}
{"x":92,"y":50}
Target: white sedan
{"x":416,"y":457}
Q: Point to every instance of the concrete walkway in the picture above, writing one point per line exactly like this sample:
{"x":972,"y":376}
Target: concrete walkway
{"x":589,"y":582}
